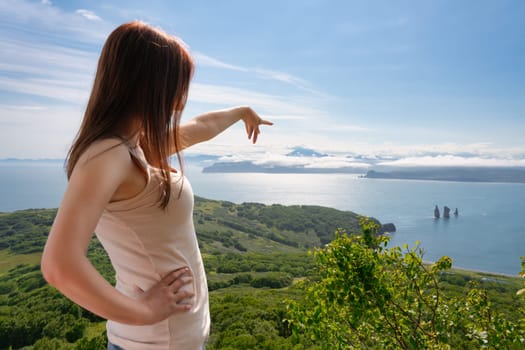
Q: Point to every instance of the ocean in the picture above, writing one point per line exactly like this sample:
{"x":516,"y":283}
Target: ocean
{"x":487,"y":235}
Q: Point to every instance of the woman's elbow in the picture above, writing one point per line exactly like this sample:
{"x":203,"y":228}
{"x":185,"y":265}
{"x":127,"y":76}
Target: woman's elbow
{"x":48,"y":270}
{"x":51,"y":270}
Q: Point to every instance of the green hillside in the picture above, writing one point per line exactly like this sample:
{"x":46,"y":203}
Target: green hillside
{"x":254,"y":254}
{"x":245,"y":247}
{"x":222,"y":227}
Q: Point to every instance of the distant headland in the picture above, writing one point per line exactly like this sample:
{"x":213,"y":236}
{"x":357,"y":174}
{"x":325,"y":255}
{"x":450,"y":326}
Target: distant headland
{"x":464,"y":174}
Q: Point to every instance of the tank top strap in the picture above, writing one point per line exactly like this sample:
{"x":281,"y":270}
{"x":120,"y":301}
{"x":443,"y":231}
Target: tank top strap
{"x":136,"y":152}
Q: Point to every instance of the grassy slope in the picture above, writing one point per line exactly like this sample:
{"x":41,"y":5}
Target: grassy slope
{"x":252,"y":240}
{"x":240,"y":244}
{"x":222,"y":227}
{"x":9,"y":260}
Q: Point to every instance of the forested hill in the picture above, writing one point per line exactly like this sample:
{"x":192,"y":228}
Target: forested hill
{"x":221,"y":227}
{"x":261,"y":228}
{"x":245,"y":247}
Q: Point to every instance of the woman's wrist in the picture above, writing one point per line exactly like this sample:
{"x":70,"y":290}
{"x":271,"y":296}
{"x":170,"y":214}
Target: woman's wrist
{"x":241,"y":112}
{"x":134,"y":312}
{"x":144,"y":314}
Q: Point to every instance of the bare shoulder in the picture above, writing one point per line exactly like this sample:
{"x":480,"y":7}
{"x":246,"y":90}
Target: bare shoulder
{"x":105,"y":157}
{"x":111,"y":148}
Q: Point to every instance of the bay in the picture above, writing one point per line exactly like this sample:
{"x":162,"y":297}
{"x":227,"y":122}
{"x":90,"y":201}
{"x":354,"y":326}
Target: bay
{"x":488,"y":234}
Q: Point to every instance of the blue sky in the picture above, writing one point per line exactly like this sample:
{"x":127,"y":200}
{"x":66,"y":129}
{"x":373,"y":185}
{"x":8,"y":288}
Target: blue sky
{"x":420,"y":82}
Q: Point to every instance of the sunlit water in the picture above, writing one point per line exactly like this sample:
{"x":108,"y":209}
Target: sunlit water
{"x":488,"y":234}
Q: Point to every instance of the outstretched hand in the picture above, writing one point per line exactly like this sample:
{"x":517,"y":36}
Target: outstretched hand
{"x":251,"y":122}
{"x":167,"y":296}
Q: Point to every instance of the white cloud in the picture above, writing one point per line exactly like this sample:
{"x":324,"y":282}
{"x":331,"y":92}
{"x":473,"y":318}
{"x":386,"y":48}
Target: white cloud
{"x":268,"y":159}
{"x":263,"y":73}
{"x":272,"y":153}
{"x":46,"y":70}
{"x":280,"y":76}
{"x":46,"y":21}
{"x":35,"y":56}
{"x":20,"y":57}
{"x":264,"y":103}
{"x":68,"y":91}
{"x":90,"y":15}
{"x":207,"y":61}
{"x":279,"y":141}
{"x":37,"y":131}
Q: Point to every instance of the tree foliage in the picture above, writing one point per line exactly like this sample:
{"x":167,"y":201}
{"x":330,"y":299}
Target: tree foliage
{"x":369,"y":296}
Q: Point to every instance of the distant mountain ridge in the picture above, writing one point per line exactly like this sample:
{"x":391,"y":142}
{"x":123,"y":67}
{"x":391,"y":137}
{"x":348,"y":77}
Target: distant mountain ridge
{"x":305,"y":152}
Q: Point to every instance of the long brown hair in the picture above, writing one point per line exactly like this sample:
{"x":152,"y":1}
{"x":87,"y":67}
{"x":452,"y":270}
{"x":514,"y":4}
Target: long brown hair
{"x":143,"y":77}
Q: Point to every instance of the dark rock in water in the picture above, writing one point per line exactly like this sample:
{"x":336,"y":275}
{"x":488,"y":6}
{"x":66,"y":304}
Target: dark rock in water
{"x":387,"y":228}
{"x":436,"y":212}
{"x":446,"y":212}
{"x":456,"y":213}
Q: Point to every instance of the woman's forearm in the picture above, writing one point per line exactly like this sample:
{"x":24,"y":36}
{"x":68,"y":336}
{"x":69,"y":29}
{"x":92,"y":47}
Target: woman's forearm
{"x":77,"y":279}
{"x":216,"y":122}
{"x":208,"y":125}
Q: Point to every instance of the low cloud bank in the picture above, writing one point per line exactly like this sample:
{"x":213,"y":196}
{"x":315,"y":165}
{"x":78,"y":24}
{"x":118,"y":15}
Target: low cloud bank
{"x":294,"y":159}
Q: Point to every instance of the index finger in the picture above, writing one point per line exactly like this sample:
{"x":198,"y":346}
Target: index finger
{"x":265,"y":122}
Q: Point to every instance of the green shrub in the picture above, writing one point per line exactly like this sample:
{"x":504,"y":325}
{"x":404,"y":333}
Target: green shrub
{"x":371,"y":296}
{"x":272,"y":280}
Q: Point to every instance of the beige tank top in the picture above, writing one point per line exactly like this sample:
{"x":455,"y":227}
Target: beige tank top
{"x":144,"y":242}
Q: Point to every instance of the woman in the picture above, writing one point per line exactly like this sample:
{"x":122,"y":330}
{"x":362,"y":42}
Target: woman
{"x":122,"y":187}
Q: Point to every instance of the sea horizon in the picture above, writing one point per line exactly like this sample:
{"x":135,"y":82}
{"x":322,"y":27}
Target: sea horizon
{"x":486,"y":236}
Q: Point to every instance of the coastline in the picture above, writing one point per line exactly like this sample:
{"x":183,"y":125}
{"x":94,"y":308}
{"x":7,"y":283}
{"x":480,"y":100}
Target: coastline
{"x":458,"y":269}
{"x":464,"y":270}
{"x":483,"y":272}
{"x":489,"y":222}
